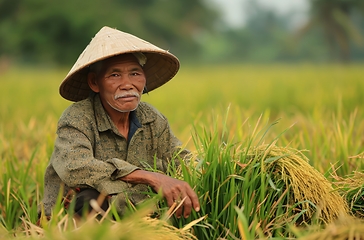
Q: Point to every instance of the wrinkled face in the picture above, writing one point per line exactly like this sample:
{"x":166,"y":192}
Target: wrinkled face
{"x":120,"y":82}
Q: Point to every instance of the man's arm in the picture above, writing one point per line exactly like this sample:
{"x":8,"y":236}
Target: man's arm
{"x":75,"y":164}
{"x":173,"y":190}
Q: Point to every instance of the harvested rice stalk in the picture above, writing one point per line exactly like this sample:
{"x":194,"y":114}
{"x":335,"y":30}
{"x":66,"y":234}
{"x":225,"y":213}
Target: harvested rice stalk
{"x":132,"y":228}
{"x":135,"y":225}
{"x":352,"y":188}
{"x":308,"y":185}
{"x":155,"y":228}
{"x":344,"y":228}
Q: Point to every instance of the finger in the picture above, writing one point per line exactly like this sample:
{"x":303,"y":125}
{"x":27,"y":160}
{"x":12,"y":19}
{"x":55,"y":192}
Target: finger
{"x":187,"y":207}
{"x":170,"y":200}
{"x":194,"y":199}
{"x":173,"y":200}
{"x":179,"y":207}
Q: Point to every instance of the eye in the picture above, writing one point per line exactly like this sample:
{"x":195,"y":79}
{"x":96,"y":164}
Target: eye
{"x":114,"y":76}
{"x":135,"y":74}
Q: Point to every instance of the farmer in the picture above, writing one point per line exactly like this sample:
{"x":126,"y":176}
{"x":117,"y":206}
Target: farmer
{"x":108,"y":140}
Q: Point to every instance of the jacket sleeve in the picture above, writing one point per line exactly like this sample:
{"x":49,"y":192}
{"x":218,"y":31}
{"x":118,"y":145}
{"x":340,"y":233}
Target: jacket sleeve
{"x":74,"y":162}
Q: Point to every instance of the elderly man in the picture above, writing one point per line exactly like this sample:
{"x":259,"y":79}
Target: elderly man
{"x":108,"y":138}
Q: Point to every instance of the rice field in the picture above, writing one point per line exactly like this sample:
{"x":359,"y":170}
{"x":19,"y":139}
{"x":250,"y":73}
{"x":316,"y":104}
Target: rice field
{"x":231,"y":116}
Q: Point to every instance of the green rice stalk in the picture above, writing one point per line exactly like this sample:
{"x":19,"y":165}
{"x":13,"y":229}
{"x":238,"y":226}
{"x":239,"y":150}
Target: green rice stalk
{"x":17,"y":191}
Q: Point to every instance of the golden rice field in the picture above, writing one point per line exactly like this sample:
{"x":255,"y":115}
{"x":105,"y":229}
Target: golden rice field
{"x":315,"y":108}
{"x":321,"y":105}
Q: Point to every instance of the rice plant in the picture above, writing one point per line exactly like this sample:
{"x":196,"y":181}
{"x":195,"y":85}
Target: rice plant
{"x":263,"y":187}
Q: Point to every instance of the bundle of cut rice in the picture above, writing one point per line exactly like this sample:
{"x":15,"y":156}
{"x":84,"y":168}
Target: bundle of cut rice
{"x":314,"y":193}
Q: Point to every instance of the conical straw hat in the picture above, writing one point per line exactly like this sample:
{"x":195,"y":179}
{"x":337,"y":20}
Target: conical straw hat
{"x":161,"y":66}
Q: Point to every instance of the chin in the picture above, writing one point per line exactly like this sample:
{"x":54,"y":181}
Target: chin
{"x":127,"y":109}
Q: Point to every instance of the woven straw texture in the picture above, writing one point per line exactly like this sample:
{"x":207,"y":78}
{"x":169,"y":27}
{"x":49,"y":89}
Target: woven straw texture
{"x":161,"y":65}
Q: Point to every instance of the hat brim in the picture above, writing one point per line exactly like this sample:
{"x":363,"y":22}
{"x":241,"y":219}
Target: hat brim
{"x":161,"y":65}
{"x":159,"y":69}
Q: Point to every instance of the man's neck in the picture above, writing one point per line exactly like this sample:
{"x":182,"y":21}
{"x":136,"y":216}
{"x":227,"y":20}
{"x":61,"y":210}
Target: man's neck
{"x":120,"y":119}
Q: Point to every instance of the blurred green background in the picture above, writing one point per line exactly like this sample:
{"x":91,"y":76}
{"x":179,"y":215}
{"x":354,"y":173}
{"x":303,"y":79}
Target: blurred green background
{"x":54,"y":32}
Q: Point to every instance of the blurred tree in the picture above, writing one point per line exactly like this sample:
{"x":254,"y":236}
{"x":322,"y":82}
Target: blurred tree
{"x":335,"y":19}
{"x":262,"y":39}
{"x":57,"y":31}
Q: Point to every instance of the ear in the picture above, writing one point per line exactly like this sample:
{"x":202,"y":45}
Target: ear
{"x":92,"y":82}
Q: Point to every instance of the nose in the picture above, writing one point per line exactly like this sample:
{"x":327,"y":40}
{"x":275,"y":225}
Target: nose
{"x":125,"y":82}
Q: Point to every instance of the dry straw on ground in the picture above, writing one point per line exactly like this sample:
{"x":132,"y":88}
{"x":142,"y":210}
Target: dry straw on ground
{"x":100,"y":225}
{"x":144,"y":228}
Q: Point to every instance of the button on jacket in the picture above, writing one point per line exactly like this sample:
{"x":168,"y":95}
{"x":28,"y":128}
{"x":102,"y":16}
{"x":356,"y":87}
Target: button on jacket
{"x":89,"y":152}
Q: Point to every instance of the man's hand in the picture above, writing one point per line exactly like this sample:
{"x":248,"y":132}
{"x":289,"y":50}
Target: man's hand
{"x":173,"y":190}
